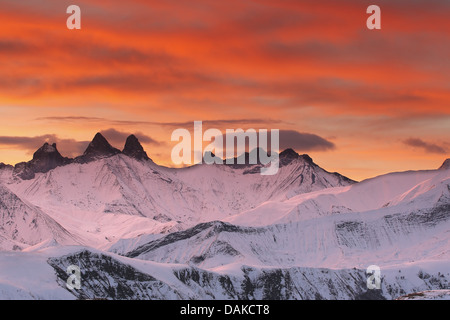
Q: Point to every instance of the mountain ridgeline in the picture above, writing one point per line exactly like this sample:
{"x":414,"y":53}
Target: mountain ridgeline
{"x":48,"y":157}
{"x":139,"y":230}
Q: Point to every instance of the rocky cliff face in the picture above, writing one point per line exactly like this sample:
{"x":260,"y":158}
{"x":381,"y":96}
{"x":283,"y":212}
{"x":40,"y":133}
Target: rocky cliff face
{"x":98,"y":148}
{"x":47,"y":157}
{"x":106,"y":277}
{"x":44,"y":159}
{"x":134,"y":149}
{"x":217,"y":231}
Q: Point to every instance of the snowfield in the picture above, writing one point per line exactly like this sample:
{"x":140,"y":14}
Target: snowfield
{"x":141,"y":231}
{"x":109,"y":276}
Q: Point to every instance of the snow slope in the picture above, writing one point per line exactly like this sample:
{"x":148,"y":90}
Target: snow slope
{"x":24,"y":223}
{"x":108,"y":276}
{"x":143,"y":231}
{"x":409,"y":220}
{"x":406,"y":191}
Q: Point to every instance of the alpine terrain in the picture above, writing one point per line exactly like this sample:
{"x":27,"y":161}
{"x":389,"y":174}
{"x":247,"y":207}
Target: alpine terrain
{"x":138,"y":230}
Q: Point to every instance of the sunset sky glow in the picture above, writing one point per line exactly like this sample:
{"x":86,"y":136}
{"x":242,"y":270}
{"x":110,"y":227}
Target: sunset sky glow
{"x":376,"y":101}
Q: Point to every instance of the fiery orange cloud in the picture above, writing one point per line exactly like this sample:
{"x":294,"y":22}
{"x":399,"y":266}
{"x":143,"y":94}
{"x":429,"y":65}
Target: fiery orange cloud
{"x":312,"y":66}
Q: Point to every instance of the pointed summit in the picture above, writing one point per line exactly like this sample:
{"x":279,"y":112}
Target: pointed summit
{"x":47,"y":151}
{"x":46,"y":158}
{"x":3,"y":166}
{"x":289,"y":154}
{"x":134,"y":149}
{"x":99,"y":147}
{"x":445,"y":165}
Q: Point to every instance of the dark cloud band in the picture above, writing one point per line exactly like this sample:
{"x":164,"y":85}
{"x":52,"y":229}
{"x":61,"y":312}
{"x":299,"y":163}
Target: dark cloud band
{"x":426,"y":146}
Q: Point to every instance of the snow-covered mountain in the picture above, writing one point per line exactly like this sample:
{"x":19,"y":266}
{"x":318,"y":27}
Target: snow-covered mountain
{"x":105,"y":195}
{"x":301,"y":233}
{"x":109,"y":276}
{"x":23,"y":224}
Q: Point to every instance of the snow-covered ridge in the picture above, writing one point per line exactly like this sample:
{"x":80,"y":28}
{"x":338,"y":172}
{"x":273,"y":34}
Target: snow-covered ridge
{"x":23,"y":224}
{"x":217,"y":231}
{"x":108,"y":276}
{"x":118,"y":195}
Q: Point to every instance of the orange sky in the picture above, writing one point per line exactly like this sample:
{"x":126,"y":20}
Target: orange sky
{"x":375,"y":101}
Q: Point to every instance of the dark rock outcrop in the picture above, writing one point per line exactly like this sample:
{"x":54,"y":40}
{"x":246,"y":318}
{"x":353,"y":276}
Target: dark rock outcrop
{"x":445,"y":165}
{"x":98,"y":148}
{"x":134,"y":149}
{"x":44,"y":159}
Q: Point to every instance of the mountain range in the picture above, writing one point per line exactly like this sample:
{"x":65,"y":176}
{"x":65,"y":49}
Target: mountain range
{"x":217,"y":231}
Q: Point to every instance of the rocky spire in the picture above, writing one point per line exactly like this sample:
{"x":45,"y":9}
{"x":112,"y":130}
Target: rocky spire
{"x":44,"y":159}
{"x":47,"y":157}
{"x":289,"y":154}
{"x":99,"y":147}
{"x":134,"y":149}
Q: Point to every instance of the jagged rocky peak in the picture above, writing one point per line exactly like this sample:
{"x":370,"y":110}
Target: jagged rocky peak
{"x":307,"y":158}
{"x":289,"y":154}
{"x":47,"y":151}
{"x":47,"y":158}
{"x":99,"y":147}
{"x":4,"y":166}
{"x":44,"y":159}
{"x":286,"y":157}
{"x":445,"y":165}
{"x":134,"y":149}
{"x":244,"y":158}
